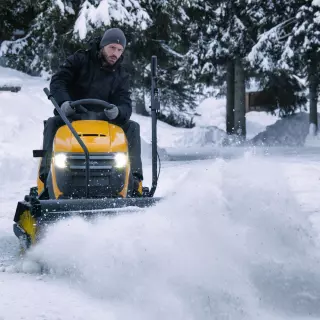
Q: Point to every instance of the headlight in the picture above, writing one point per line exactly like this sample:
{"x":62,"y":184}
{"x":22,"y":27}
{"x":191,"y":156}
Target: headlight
{"x":60,"y":160}
{"x":121,"y":160}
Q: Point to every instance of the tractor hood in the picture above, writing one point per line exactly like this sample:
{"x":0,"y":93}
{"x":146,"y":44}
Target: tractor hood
{"x":98,"y":136}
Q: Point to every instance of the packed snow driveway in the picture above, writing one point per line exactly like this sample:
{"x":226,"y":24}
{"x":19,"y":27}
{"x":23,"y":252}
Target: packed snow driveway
{"x":231,"y":241}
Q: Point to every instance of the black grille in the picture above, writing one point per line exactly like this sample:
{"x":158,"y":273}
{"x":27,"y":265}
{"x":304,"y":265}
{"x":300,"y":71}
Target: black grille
{"x":98,"y":163}
{"x":105,"y":180}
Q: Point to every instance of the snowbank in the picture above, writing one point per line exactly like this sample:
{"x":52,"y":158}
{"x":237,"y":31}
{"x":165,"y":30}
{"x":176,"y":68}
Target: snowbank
{"x":290,"y":131}
{"x":213,"y":114}
{"x":201,"y":137}
{"x":171,"y":137}
{"x":257,"y":122}
{"x":312,"y":140}
{"x":21,"y":128}
{"x":263,"y":129}
{"x":11,"y":77}
{"x":313,"y":137}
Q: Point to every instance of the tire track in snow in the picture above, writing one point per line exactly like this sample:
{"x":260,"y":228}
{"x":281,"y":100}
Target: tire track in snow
{"x":284,"y":263}
{"x":304,"y":181}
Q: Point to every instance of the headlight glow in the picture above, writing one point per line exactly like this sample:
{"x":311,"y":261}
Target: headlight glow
{"x":121,"y":160}
{"x":60,"y":160}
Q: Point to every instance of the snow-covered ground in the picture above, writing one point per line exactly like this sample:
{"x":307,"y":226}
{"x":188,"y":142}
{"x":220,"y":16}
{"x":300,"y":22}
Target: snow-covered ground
{"x":232,"y":252}
{"x":236,"y":237}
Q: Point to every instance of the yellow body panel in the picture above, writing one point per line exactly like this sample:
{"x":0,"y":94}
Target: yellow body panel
{"x":111,"y":138}
{"x":39,"y":182}
{"x":28,"y":224}
{"x":98,"y":136}
{"x":140,"y":187}
{"x":123,"y":193}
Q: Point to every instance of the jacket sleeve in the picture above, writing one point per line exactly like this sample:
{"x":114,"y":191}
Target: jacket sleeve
{"x":121,"y":97}
{"x":65,"y":76}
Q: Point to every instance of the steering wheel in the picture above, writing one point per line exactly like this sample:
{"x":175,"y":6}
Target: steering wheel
{"x":77,"y":105}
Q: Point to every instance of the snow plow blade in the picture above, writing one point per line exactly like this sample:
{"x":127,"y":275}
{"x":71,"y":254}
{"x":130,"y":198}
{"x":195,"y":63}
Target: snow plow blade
{"x":32,"y":216}
{"x":44,"y":211}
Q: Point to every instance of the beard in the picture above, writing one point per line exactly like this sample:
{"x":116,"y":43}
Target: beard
{"x":108,"y":59}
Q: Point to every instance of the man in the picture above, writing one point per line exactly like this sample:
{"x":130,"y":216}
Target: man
{"x":96,"y":73}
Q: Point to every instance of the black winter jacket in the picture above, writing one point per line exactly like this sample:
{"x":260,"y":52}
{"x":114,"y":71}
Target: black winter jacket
{"x":82,"y":76}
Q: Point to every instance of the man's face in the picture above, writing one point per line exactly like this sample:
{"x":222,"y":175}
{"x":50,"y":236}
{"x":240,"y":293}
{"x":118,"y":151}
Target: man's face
{"x":112,"y":52}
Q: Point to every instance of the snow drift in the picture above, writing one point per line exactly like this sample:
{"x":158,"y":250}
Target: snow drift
{"x":290,"y":131}
{"x":11,"y":77}
{"x":212,"y":115}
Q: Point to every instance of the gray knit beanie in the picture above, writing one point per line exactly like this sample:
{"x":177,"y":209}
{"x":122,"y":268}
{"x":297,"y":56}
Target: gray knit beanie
{"x":113,"y":35}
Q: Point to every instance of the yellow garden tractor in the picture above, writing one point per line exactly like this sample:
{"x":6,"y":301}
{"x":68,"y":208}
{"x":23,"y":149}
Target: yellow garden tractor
{"x":89,"y":172}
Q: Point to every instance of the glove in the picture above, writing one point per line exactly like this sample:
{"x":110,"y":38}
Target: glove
{"x":67,"y":109}
{"x":111,"y":114}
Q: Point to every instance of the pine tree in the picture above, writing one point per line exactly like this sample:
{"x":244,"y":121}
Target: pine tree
{"x":165,"y":38}
{"x":201,"y":62}
{"x":224,"y":32}
{"x":15,"y":16}
{"x":302,"y":53}
{"x":41,"y":49}
{"x":61,"y":27}
{"x":290,"y":49}
{"x":249,"y":34}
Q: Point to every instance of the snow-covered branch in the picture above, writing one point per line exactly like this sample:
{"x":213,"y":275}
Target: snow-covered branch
{"x":266,"y":40}
{"x":131,"y":14}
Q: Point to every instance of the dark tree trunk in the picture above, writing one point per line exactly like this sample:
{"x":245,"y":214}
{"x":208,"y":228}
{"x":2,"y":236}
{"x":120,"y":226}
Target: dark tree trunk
{"x":230,"y":98}
{"x":239,"y":100}
{"x":140,"y":103}
{"x":313,"y":97}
